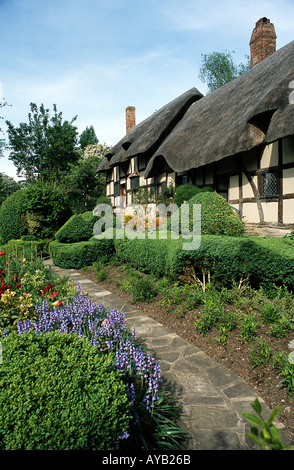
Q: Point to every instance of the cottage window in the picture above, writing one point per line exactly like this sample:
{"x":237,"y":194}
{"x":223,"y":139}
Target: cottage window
{"x":116,"y":189}
{"x":134,"y":182}
{"x":182,"y":179}
{"x":269,"y":184}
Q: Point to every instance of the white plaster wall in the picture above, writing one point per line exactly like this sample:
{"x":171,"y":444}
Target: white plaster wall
{"x":247,"y":188}
{"x":234,"y":187}
{"x":288,"y":211}
{"x":270,"y":211}
{"x":250,"y":213}
{"x":270,"y":156}
{"x":288,"y":181}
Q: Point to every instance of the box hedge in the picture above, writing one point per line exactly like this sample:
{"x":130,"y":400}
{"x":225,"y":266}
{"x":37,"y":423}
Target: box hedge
{"x":78,"y":227}
{"x":80,"y":254}
{"x":264,"y":261}
{"x":217,"y":216}
{"x":57,"y":392}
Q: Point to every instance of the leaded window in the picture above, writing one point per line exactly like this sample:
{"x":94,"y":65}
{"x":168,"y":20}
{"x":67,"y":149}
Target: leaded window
{"x":269,"y":184}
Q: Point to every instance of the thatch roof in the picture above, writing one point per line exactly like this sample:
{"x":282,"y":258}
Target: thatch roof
{"x":147,"y":136}
{"x":250,"y":110}
{"x":193,"y":130}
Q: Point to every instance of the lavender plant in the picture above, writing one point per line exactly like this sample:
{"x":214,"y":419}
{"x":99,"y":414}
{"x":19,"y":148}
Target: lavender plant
{"x":108,"y":332}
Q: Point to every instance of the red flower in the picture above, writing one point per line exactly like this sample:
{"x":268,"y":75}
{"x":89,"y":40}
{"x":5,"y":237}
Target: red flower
{"x":2,"y":252}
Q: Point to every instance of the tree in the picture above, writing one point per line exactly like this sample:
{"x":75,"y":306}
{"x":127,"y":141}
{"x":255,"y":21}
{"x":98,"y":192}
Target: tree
{"x":88,"y":137}
{"x":81,"y":184}
{"x":218,"y":68}
{"x":43,"y":147}
{"x":7,"y":186}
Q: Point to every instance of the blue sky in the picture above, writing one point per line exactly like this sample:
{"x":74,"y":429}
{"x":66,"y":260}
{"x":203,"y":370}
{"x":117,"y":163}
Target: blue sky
{"x":93,"y":58}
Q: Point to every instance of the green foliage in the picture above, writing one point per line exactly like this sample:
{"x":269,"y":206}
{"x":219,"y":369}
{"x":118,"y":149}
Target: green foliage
{"x":264,"y":432}
{"x":285,"y":369}
{"x":184,"y":192}
{"x":141,"y":288}
{"x":48,"y":208}
{"x":81,"y":254}
{"x":217,"y":217}
{"x":78,"y":227}
{"x":12,"y":216}
{"x":282,"y":327}
{"x":249,"y":326}
{"x":100,"y":271}
{"x":43,"y":147}
{"x":263,"y":262}
{"x":261,"y":353}
{"x":88,"y":137}
{"x":82,"y":185}
{"x":7,"y":185}
{"x":58,"y":393}
{"x":38,"y":210}
{"x":218,"y":68}
{"x":269,"y":312}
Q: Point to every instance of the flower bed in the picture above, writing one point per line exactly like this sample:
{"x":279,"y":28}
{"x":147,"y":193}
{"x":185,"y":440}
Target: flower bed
{"x":153,"y":415}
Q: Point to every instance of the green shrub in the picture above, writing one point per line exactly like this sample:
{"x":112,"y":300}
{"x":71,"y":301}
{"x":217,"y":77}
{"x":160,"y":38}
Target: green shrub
{"x":80,"y":254}
{"x":46,"y":210}
{"x":263,"y":262}
{"x":77,"y":228}
{"x":38,"y":210}
{"x":58,"y":393}
{"x":184,"y":192}
{"x":217,"y":217}
{"x":12,"y":216}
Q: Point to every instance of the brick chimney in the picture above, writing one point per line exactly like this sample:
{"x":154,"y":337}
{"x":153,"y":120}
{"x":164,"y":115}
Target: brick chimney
{"x":263,"y":41}
{"x":130,"y":118}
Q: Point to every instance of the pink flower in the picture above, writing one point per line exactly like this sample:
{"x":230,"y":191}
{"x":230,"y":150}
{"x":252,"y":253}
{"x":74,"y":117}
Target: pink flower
{"x":58,"y":302}
{"x":24,"y":294}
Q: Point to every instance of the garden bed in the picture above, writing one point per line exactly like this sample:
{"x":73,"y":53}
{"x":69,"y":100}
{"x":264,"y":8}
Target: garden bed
{"x":234,"y":353}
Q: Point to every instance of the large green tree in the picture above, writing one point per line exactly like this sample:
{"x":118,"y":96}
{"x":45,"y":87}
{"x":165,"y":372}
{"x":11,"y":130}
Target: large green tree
{"x":219,"y":68}
{"x":81,"y":184}
{"x":88,"y":137}
{"x":7,"y":186}
{"x":43,"y":147}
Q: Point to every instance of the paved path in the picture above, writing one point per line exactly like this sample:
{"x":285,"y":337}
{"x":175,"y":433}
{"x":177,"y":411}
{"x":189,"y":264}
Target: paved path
{"x":213,"y":397}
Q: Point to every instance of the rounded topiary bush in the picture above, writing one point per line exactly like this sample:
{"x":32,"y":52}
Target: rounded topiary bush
{"x":78,"y":227}
{"x":12,"y":216}
{"x":38,"y":210}
{"x":217,"y":217}
{"x":184,"y":192}
{"x":58,"y":393}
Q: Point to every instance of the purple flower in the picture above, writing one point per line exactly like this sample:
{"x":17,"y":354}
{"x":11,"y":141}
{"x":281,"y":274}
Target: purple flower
{"x":107,"y":331}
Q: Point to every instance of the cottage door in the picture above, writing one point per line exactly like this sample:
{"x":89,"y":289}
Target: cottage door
{"x":123,"y":193}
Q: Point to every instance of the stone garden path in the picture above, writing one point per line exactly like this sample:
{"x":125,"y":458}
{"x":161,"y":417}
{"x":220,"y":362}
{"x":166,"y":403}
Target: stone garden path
{"x":213,"y":397}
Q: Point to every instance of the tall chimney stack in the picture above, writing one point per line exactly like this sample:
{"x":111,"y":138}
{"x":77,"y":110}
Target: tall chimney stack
{"x":130,"y":118}
{"x":263,"y":41}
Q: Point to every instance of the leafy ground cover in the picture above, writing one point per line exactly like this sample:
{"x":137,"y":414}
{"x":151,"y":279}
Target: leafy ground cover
{"x":247,"y":330}
{"x":28,"y":305}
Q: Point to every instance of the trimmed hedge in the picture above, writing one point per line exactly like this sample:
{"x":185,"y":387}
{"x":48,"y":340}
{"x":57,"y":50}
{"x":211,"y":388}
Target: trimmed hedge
{"x":80,"y":254}
{"x":217,"y":216}
{"x":57,"y":392}
{"x":77,"y":228}
{"x":184,"y":192}
{"x":266,"y":261}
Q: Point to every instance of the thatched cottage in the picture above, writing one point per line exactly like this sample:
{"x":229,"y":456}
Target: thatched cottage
{"x":238,"y":139}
